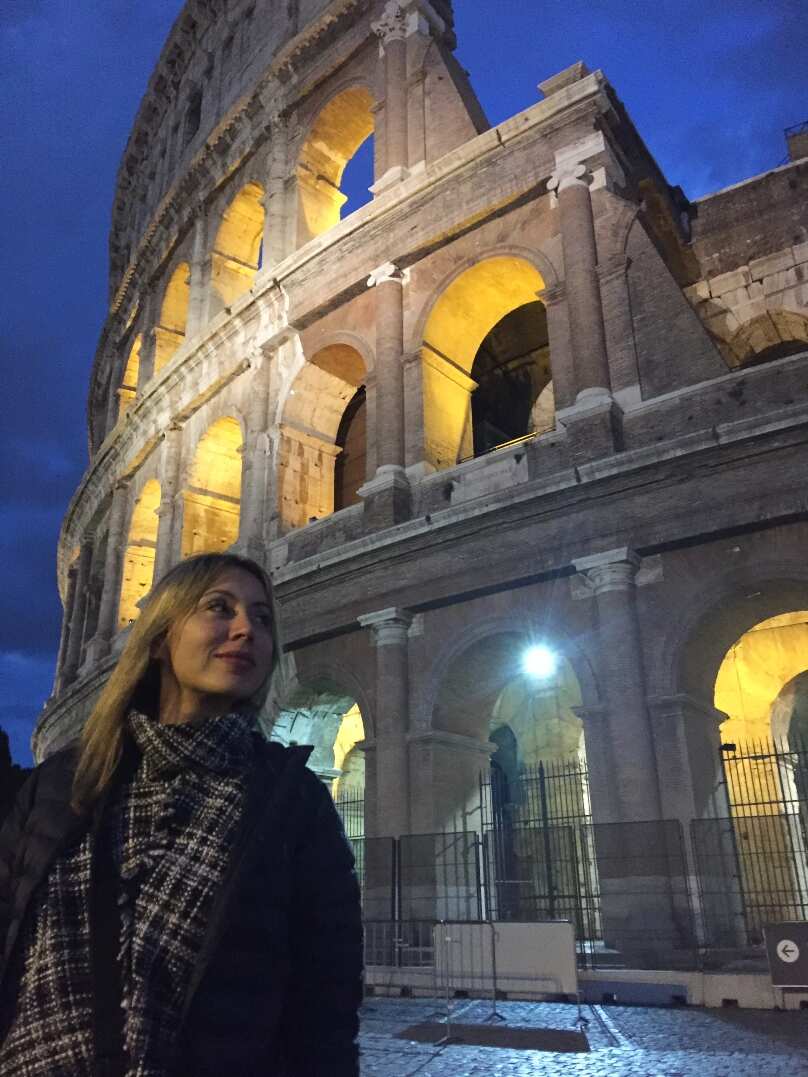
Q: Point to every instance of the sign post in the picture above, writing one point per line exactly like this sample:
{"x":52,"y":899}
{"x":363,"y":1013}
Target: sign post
{"x":787,"y":949}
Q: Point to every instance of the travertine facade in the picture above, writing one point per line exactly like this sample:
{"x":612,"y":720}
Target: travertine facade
{"x":328,"y":396}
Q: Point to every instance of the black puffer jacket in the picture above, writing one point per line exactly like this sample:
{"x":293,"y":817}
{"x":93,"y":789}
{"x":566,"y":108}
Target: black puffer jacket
{"x":277,"y":986}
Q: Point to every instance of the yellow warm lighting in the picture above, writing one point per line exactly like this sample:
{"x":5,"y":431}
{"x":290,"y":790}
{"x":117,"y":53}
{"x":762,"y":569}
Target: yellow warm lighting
{"x":170,"y":332}
{"x":337,"y":133}
{"x":234,"y":260}
{"x":138,"y":562}
{"x":212,"y":499}
{"x":311,"y":418}
{"x":351,"y":732}
{"x":459,"y":322}
{"x":128,"y":389}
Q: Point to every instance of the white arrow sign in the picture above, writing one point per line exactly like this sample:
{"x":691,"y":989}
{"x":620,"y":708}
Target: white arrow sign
{"x":788,"y":951}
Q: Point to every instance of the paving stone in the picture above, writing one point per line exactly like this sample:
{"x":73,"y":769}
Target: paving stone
{"x":652,"y":1042}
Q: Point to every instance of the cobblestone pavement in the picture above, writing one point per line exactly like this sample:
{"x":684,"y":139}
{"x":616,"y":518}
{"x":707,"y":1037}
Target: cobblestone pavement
{"x":624,"y":1042}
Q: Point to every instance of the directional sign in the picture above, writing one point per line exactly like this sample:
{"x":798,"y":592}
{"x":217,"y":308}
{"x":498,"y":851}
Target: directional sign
{"x":787,"y":947}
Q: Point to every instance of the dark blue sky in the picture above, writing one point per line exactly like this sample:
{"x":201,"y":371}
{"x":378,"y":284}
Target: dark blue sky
{"x":710,"y":85}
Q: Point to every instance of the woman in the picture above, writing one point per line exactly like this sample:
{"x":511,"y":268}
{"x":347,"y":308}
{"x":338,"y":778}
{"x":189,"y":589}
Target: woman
{"x":177,"y":897}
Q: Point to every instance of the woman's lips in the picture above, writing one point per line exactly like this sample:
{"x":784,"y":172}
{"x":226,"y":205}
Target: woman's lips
{"x":237,"y":661}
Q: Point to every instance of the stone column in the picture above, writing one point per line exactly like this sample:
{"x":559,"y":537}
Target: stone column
{"x":390,"y":627}
{"x":558,"y":334}
{"x":198,"y":290}
{"x":64,"y":636}
{"x":571,"y":184}
{"x":145,"y":367}
{"x":276,"y":208}
{"x":169,"y":513}
{"x":391,"y":29}
{"x":592,"y":421}
{"x":77,"y":608}
{"x":387,"y":494}
{"x":255,"y":461}
{"x":610,"y":577}
{"x":113,"y":563}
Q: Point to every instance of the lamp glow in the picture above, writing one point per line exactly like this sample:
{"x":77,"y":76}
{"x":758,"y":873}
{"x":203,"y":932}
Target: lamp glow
{"x":539,"y":661}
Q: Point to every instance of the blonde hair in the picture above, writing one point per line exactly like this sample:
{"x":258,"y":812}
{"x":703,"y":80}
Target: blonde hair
{"x":135,"y":680}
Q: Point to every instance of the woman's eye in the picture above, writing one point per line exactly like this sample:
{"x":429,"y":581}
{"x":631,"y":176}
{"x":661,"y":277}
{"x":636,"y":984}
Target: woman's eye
{"x":218,"y":605}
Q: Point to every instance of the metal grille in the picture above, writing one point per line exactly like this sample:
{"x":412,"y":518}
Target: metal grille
{"x":753,"y":867}
{"x":350,"y":804}
{"x":439,"y":876}
{"x":376,"y":870}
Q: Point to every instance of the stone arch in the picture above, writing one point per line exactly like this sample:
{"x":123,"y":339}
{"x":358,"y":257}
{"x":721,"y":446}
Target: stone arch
{"x":237,"y":248}
{"x":771,"y":335}
{"x":169,"y":333}
{"x":485,"y":326}
{"x":138,"y":561}
{"x":688,"y":658}
{"x":212,"y":494}
{"x":336,"y":132}
{"x":487,"y":628}
{"x":309,"y":428}
{"x":789,"y":713}
{"x":127,"y":391}
{"x":327,"y":708}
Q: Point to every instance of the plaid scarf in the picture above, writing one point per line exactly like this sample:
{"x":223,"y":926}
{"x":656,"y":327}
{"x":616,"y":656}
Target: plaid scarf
{"x":172,"y":828}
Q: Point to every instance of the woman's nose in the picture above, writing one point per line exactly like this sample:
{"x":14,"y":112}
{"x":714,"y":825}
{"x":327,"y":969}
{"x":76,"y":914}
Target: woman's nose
{"x":241,"y":626}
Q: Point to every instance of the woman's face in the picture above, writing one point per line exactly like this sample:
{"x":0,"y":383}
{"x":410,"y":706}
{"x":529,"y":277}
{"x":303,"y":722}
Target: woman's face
{"x":220,"y":654}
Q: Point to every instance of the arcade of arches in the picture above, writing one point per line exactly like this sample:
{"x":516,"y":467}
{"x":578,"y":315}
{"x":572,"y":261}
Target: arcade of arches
{"x":486,"y":362}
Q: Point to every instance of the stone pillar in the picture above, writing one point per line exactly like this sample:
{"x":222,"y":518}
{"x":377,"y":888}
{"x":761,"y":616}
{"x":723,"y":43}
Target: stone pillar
{"x":558,"y":334}
{"x":390,"y":628}
{"x":169,"y":513}
{"x":199,"y":284}
{"x":113,"y":563}
{"x":624,"y":371}
{"x":67,"y":609}
{"x":255,"y":462}
{"x":387,"y":494}
{"x":571,"y":183}
{"x":276,"y":201}
{"x":610,"y":576}
{"x":592,"y":421}
{"x":77,"y":608}
{"x":391,"y":29}
{"x":147,"y":352}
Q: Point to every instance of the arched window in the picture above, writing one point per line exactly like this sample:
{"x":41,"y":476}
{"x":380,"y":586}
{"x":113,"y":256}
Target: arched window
{"x":128,"y":387}
{"x":169,"y":333}
{"x":339,"y":130}
{"x":326,"y":405}
{"x":236,"y":255}
{"x":486,"y":362}
{"x":212,"y":498}
{"x":774,"y":334}
{"x":138,"y":562}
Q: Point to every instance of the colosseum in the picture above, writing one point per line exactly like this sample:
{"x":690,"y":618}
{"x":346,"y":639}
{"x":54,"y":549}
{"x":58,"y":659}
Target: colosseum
{"x":523,"y":443}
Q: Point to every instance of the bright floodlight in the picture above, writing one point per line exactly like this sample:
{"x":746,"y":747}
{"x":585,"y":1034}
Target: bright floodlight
{"x":539,"y":661}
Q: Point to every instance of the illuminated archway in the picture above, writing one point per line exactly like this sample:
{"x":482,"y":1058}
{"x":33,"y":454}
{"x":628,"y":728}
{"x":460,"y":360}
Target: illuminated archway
{"x":335,"y":136}
{"x":212,"y":498}
{"x":324,"y":716}
{"x":138,"y":561}
{"x":327,"y":387}
{"x":757,"y":687}
{"x":128,"y":388}
{"x":491,"y":306}
{"x":236,"y":254}
{"x":169,"y":333}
